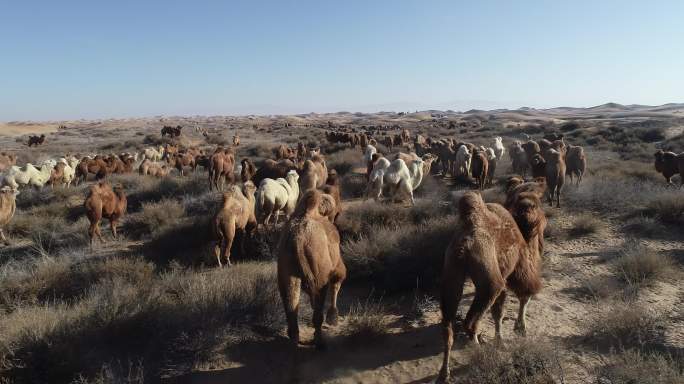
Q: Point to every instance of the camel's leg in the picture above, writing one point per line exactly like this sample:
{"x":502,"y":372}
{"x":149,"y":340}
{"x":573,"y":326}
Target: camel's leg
{"x":227,"y":244}
{"x":217,"y":253}
{"x":289,"y":287}
{"x":99,"y":232}
{"x":558,"y":193}
{"x":520,"y":323}
{"x":497,"y":313}
{"x":3,"y":238}
{"x":334,"y":290}
{"x":452,"y":291}
{"x":318,"y":304}
{"x":485,"y":294}
{"x":112,"y":224}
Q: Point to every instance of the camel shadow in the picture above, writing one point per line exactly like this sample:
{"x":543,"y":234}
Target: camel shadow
{"x":274,"y":361}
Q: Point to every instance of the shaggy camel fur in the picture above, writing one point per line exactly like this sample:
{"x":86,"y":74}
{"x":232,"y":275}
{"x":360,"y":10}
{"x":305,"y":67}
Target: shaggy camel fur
{"x":236,"y":214}
{"x":221,"y":165}
{"x":181,"y":160}
{"x":376,"y":178}
{"x":7,"y":161}
{"x":538,"y":166}
{"x":309,"y":258}
{"x":575,"y":163}
{"x":518,"y":158}
{"x":8,"y":206}
{"x":332,"y":188}
{"x":308,"y":177}
{"x":499,"y":148}
{"x":480,"y":168}
{"x":555,"y":175}
{"x":248,"y":170}
{"x":669,"y":164}
{"x":402,"y":179}
{"x":496,"y":250}
{"x":104,"y":202}
{"x":271,"y":169}
{"x":321,"y":169}
{"x":531,"y":148}
{"x":276,"y":196}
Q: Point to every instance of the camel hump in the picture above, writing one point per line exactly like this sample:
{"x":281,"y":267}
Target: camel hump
{"x":470,"y":204}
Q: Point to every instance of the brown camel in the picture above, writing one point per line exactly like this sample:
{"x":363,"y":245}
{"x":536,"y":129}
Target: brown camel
{"x":248,"y":170}
{"x":236,"y":214}
{"x":309,"y":258}
{"x":221,"y":166}
{"x":103,"y":201}
{"x":555,"y":175}
{"x":332,"y":188}
{"x":496,"y":250}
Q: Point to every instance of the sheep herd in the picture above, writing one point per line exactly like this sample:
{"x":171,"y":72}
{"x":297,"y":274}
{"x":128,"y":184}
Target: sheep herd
{"x":498,"y":247}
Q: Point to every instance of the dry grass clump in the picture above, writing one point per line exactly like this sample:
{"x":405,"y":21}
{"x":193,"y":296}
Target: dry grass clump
{"x":586,"y":225}
{"x":170,"y":323}
{"x":630,"y":367}
{"x":366,"y":321}
{"x":624,"y":324}
{"x":644,"y":226}
{"x":345,"y":160}
{"x":153,"y":218}
{"x":353,"y":185}
{"x":66,"y":279}
{"x":523,"y":362}
{"x":398,"y":258}
{"x":668,"y":208}
{"x":638,"y":265}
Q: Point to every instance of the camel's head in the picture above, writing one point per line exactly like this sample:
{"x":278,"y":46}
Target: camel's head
{"x":248,"y":188}
{"x":333,"y":178}
{"x":528,"y":213}
{"x":513,"y":182}
{"x":292,"y":176}
{"x":659,"y":156}
{"x":537,"y":160}
{"x":9,"y":191}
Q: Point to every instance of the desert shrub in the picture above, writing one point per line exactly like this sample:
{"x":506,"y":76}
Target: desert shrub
{"x":674,"y":144}
{"x":631,"y":366}
{"x":624,"y":324}
{"x":522,"y":362}
{"x":344,"y":161}
{"x":171,"y":323}
{"x":644,"y":226}
{"x":142,"y":189}
{"x":362,"y":218}
{"x":353,"y":185}
{"x":585,"y":225}
{"x":638,"y":265}
{"x":399,"y":258}
{"x":64,"y":279}
{"x":218,"y":139}
{"x":188,"y":242}
{"x":154,"y":217}
{"x":366,"y":321}
{"x":667,"y":207}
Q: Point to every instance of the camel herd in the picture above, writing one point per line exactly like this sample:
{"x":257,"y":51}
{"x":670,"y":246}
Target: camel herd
{"x":499,"y":247}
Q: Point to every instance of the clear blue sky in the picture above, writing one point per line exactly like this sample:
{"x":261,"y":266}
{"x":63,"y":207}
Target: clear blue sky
{"x":90,"y":59}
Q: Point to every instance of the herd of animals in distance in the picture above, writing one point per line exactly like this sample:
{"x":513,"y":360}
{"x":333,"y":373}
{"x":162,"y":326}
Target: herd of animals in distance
{"x":296,"y":192}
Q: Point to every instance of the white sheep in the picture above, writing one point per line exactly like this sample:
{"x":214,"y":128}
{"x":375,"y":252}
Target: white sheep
{"x":276,"y":196}
{"x":499,"y":148}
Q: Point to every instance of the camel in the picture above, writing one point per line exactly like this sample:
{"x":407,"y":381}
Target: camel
{"x":555,"y":175}
{"x":8,"y":206}
{"x":576,"y":163}
{"x":221,"y":165}
{"x":480,"y":168}
{"x":236,"y":214}
{"x":248,"y":170}
{"x":332,"y":188}
{"x":104,"y":202}
{"x":496,"y":250}
{"x":669,"y":164}
{"x":309,"y":258}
